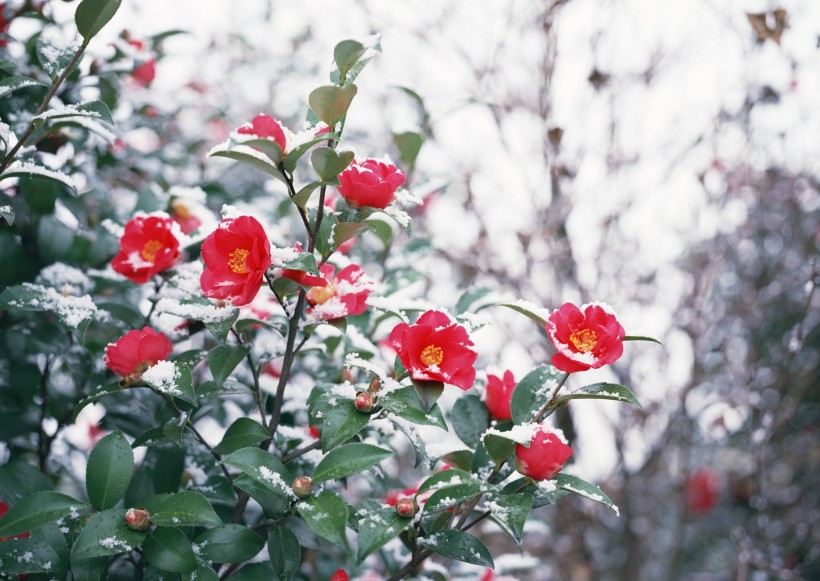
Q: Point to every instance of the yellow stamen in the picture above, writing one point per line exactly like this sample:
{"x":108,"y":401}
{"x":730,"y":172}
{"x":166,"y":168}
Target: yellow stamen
{"x":432,"y":355}
{"x":319,"y":295}
{"x":181,"y":211}
{"x":236,"y":260}
{"x":150,"y":249}
{"x":584,"y":340}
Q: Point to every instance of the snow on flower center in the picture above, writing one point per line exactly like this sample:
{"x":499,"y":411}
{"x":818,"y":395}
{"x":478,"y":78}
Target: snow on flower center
{"x":150,"y":249}
{"x":432,"y":355}
{"x":584,"y":340}
{"x":236,"y":260}
{"x":321,"y":294}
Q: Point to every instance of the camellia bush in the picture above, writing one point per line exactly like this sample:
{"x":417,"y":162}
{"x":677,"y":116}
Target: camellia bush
{"x":278,"y":326}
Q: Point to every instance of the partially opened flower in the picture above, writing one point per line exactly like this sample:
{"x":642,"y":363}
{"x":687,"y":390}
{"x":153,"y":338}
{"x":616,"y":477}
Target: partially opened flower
{"x":370,"y":183}
{"x":345,"y":293}
{"x":147,"y":247}
{"x":499,"y":395}
{"x":545,"y":456}
{"x":585,"y":338}
{"x":236,"y":256}
{"x":136,"y":351}
{"x":266,"y":127}
{"x":436,"y":348}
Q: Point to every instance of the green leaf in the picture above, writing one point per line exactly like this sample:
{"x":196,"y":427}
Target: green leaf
{"x":254,"y":572}
{"x":169,"y":549}
{"x":177,"y":383}
{"x":90,"y":109}
{"x":107,"y":390}
{"x":610,"y":391}
{"x":243,"y":433}
{"x":29,"y":169}
{"x":304,"y":261}
{"x":534,"y":312}
{"x":267,"y":146}
{"x":18,"y":479}
{"x":346,"y":54}
{"x":328,"y":163}
{"x":89,"y":569}
{"x":285,"y":551}
{"x":511,"y":512}
{"x":38,"y":509}
{"x":263,"y":468}
{"x":297,"y":152}
{"x":93,"y":15}
{"x":54,"y":58}
{"x":187,"y":508}
{"x":340,"y":423}
{"x":109,"y":470}
{"x":251,"y":158}
{"x":378,"y":525}
{"x":331,"y":103}
{"x":348,"y":459}
{"x":303,"y":196}
{"x":344,"y":231}
{"x":27,"y":556}
{"x":586,"y":489}
{"x":406,"y":403}
{"x":409,"y":145}
{"x":469,"y":418}
{"x":326,"y":515}
{"x":223,"y":359}
{"x":445,"y":478}
{"x":273,"y":501}
{"x":105,"y":534}
{"x":449,"y":496}
{"x":471,"y":297}
{"x":231,"y":543}
{"x":15,"y":82}
{"x":460,"y":546}
{"x":641,"y":338}
{"x":532,"y":393}
{"x":7,"y":214}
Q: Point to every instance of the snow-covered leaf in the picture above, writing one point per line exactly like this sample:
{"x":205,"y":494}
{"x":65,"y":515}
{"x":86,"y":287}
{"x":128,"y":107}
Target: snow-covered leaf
{"x":10,"y":84}
{"x":378,"y":524}
{"x":72,"y":311}
{"x":28,"y":169}
{"x":91,"y":109}
{"x":171,"y":378}
{"x":611,"y":391}
{"x":7,"y":214}
{"x":583,"y":488}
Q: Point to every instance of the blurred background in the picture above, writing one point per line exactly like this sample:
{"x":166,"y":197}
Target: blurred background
{"x":663,"y":158}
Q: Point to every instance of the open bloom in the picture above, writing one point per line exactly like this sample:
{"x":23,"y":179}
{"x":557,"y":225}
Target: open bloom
{"x":499,"y":395}
{"x":266,"y":127}
{"x":586,"y":338}
{"x":136,"y":351}
{"x":370,"y":183}
{"x":344,"y":294}
{"x":545,"y":457}
{"x":236,"y":256}
{"x":436,"y":348}
{"x":148,"y":246}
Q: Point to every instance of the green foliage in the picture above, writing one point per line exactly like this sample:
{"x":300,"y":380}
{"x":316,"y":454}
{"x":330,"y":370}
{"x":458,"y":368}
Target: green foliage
{"x":93,"y":15}
{"x":460,"y":546}
{"x":109,"y":470}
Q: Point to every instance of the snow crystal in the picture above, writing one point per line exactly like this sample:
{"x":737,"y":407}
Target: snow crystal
{"x":205,"y":313}
{"x":195,"y":194}
{"x":522,"y":434}
{"x":546,"y":486}
{"x":400,"y":216}
{"x":163,"y":376}
{"x":32,"y":169}
{"x":115,"y":543}
{"x":353,"y":360}
{"x":407,"y":198}
{"x":25,"y":557}
{"x":5,"y":209}
{"x":116,"y":230}
{"x":65,"y":278}
{"x":71,"y":310}
{"x":276,"y":480}
{"x":281,"y":256}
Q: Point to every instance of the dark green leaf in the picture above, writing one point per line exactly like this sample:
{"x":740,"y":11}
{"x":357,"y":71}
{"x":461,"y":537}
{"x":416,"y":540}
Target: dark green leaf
{"x":406,"y":403}
{"x":532,"y":393}
{"x":27,"y":556}
{"x":223,"y":359}
{"x":263,"y":468}
{"x":105,"y":534}
{"x":586,"y":489}
{"x":179,"y":386}
{"x":243,"y":433}
{"x":444,"y":478}
{"x":252,"y":158}
{"x":469,"y":419}
{"x":108,"y":472}
{"x":304,"y":261}
{"x":89,"y":569}
{"x":285,"y":551}
{"x":449,"y":496}
{"x":409,"y":145}
{"x":378,"y":525}
{"x":460,"y":546}
{"x":328,"y":163}
{"x":93,"y":15}
{"x":346,"y":54}
{"x":641,"y":338}
{"x":90,"y":109}
{"x":169,"y":549}
{"x":254,"y":572}
{"x":7,"y":214}
{"x":187,"y":508}
{"x":511,"y":512}
{"x":326,"y":515}
{"x":610,"y":391}
{"x":37,"y":509}
{"x":331,"y":103}
{"x":14,"y":82}
{"x":231,"y":543}
{"x":340,"y":423}
{"x":54,"y":58}
{"x":18,"y":479}
{"x":275,"y":502}
{"x":534,"y":312}
{"x":349,"y":459}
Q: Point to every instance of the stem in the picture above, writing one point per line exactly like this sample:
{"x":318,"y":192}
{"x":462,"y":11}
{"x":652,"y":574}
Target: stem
{"x":257,"y":392}
{"x":292,"y":193}
{"x":157,"y":287}
{"x":51,"y":92}
{"x":552,"y":399}
{"x":296,"y":453}
{"x":287,"y":363}
{"x":44,"y":442}
{"x":411,"y":566}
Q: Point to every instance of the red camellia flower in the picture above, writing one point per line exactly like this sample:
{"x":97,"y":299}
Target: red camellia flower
{"x":344,"y":294}
{"x":370,"y":183}
{"x":702,"y":490}
{"x":144,"y":74}
{"x":136,"y":351}
{"x":183,"y":216}
{"x":300,"y":276}
{"x":148,"y":246}
{"x":436,"y":348}
{"x":266,"y":127}
{"x":586,"y":338}
{"x":499,"y":395}
{"x":236,"y":256}
{"x":340,"y":575}
{"x":545,"y":457}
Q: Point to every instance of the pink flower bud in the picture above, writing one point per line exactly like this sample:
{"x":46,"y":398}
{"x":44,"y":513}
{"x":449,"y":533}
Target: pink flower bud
{"x":407,"y":507}
{"x":302,"y":486}
{"x":499,"y":395}
{"x":544,"y":458}
{"x":137,"y":519}
{"x":364,"y":402}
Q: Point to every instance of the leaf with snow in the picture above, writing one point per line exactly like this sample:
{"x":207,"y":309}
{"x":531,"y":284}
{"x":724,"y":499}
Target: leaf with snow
{"x":510,"y":512}
{"x":28,"y":169}
{"x":217,"y":319}
{"x":38,"y":509}
{"x":378,"y":524}
{"x":249,"y":156}
{"x":449,"y":496}
{"x":106,"y":534}
{"x":15,"y":82}
{"x":531,"y":310}
{"x":7,"y":214}
{"x":72,"y":311}
{"x":171,"y":378}
{"x":533,"y":392}
{"x":92,"y":109}
{"x":326,"y":515}
{"x":610,"y":391}
{"x":28,"y":556}
{"x":586,"y":489}
{"x":460,"y":546}
{"x":406,"y":403}
{"x":186,"y":508}
{"x":263,"y":468}
{"x":54,"y":53}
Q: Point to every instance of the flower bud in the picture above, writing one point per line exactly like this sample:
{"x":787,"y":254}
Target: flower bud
{"x":348,"y":375}
{"x":375,"y":386}
{"x":302,"y":486}
{"x":137,"y":519}
{"x":407,"y":507}
{"x":364,"y":402}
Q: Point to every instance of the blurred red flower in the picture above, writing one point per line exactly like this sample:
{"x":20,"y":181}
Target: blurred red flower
{"x":236,"y":256}
{"x":436,"y":348}
{"x":147,"y":247}
{"x":183,"y":216}
{"x":343,"y":295}
{"x":370,"y":183}
{"x":701,"y":491}
{"x":136,"y":351}
{"x":144,"y":74}
{"x":585,"y":339}
{"x":340,"y":575}
{"x":545,"y":457}
{"x":499,"y":395}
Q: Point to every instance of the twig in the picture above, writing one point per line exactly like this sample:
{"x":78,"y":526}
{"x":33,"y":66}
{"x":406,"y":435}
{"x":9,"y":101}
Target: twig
{"x":540,"y":415}
{"x":287,"y":363}
{"x":301,"y":451}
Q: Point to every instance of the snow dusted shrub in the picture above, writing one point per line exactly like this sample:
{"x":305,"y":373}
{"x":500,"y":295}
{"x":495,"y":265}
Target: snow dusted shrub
{"x":259,"y":382}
